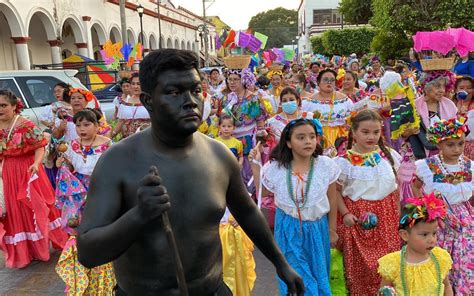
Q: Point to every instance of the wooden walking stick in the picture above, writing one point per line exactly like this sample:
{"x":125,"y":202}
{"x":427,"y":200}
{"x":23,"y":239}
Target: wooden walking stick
{"x":183,"y":289}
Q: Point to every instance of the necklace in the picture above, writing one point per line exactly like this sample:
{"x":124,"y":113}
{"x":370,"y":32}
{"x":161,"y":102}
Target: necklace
{"x":11,"y":125}
{"x":289,"y":183}
{"x":403,"y":267}
{"x":443,"y":167}
{"x":87,"y":149}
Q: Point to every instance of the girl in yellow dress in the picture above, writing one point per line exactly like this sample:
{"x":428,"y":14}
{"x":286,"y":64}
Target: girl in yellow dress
{"x":420,"y":268}
{"x":237,"y":248}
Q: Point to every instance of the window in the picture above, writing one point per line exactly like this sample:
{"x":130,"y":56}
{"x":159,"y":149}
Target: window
{"x":326,"y":17}
{"x":9,"y":84}
{"x":38,"y":90}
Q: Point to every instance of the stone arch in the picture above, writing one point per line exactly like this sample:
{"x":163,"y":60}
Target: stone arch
{"x":169,"y":43}
{"x":176,"y":44}
{"x":47,"y":21}
{"x":41,"y":28}
{"x":76,"y":27}
{"x":115,"y":35}
{"x":194,"y":46}
{"x":131,"y":36}
{"x":183,"y":45}
{"x":188,"y":46}
{"x":100,"y":31}
{"x":153,"y":44}
{"x":13,"y":19}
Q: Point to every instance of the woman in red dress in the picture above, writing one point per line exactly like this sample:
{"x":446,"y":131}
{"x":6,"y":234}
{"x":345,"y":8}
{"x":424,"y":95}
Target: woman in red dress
{"x":28,"y":218}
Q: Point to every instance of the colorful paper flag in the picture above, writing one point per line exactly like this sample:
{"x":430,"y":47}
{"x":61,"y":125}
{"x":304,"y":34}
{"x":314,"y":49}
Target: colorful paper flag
{"x":263,"y":38}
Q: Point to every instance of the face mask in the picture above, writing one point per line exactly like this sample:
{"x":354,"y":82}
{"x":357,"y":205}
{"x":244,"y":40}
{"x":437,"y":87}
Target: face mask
{"x":289,"y":107}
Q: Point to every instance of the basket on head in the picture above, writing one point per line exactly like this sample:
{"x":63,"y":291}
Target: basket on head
{"x":437,"y":64}
{"x":124,"y":74}
{"x":237,"y":61}
{"x":276,"y":67}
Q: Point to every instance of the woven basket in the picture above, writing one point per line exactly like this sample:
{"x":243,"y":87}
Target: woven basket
{"x":237,"y":61}
{"x":437,"y":64}
{"x":124,"y":74}
{"x":276,"y":67}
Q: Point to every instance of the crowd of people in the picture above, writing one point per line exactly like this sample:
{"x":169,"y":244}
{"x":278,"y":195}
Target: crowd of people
{"x":317,"y":151}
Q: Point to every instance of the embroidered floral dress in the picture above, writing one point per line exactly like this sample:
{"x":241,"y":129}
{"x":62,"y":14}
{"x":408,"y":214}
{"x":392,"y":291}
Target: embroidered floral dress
{"x":333,"y":117}
{"x":456,"y":184}
{"x":368,"y":185}
{"x":134,"y":117}
{"x":31,"y":221}
{"x":71,"y":194}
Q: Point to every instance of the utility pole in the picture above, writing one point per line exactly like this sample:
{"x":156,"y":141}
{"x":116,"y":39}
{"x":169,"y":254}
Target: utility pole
{"x":159,"y":23}
{"x":123,"y":21}
{"x":206,"y":35}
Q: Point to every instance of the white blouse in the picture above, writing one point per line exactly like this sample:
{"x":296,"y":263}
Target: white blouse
{"x":84,"y":164}
{"x":129,"y":111}
{"x":332,"y":114}
{"x":325,"y":173}
{"x":368,"y":182}
{"x":454,"y":193}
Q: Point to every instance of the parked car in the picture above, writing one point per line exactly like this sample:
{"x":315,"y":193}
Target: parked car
{"x":35,"y":88}
{"x":108,"y":93}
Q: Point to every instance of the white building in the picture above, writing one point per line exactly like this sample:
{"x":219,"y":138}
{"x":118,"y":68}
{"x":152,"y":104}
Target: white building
{"x":46,"y":31}
{"x":314,"y":17}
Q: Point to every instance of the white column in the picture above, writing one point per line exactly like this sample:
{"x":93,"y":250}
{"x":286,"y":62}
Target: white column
{"x":56,"y":57}
{"x":83,"y":49}
{"x":87,"y":27}
{"x":22,"y":55}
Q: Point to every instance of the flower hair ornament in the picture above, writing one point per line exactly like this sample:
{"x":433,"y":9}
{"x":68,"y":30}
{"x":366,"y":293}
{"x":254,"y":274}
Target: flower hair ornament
{"x":431,"y":77}
{"x":428,"y":208}
{"x":447,"y":129}
{"x":89,"y":96}
{"x":248,"y":78}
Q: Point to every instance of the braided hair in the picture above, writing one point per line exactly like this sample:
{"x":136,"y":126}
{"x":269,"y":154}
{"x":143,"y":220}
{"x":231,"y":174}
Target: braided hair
{"x":370,"y":115}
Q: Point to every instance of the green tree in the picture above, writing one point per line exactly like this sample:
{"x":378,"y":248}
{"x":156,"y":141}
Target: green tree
{"x":356,"y":11}
{"x":411,"y":16}
{"x":343,"y":42}
{"x":279,"y":24}
{"x":389,"y":45}
{"x":317,"y":45}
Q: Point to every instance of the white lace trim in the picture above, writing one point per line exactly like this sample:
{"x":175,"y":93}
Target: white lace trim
{"x":325,"y":173}
{"x":455,"y":194}
{"x":31,"y":236}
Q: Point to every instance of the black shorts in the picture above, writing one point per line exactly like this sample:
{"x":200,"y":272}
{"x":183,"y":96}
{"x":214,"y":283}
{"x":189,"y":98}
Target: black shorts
{"x":222,"y":290}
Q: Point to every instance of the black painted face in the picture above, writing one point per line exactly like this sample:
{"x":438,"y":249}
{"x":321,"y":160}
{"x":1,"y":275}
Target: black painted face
{"x":176,"y":104}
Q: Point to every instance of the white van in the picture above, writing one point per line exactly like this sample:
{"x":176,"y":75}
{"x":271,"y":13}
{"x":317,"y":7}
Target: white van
{"x":35,"y":88}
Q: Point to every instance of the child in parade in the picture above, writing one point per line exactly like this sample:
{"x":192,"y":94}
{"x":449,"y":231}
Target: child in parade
{"x":226,"y":129}
{"x":238,"y":262}
{"x":304,"y":185}
{"x":368,"y":185}
{"x":80,"y":157}
{"x":420,"y":268}
{"x":450,"y":175}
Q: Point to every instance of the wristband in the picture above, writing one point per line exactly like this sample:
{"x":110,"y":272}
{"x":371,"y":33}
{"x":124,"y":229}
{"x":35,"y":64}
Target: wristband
{"x":346,"y":214}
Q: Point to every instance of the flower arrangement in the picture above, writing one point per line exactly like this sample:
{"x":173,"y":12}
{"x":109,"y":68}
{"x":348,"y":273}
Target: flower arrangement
{"x":447,"y":129}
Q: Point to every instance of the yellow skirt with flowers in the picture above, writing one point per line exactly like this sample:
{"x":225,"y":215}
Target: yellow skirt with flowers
{"x":79,"y":280}
{"x":237,"y":257}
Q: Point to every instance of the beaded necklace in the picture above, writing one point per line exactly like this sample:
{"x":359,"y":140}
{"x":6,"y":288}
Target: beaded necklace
{"x":304,"y":197}
{"x":403,"y":267}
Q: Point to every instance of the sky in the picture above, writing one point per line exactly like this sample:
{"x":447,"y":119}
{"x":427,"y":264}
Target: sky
{"x":236,"y":13}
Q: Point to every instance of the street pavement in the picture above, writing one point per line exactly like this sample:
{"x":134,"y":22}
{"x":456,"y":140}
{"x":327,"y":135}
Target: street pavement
{"x":40,"y":279}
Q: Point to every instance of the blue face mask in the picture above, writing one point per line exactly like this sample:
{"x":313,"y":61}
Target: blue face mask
{"x":289,"y":107}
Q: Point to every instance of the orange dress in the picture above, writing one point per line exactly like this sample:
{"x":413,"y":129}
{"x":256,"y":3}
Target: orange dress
{"x":31,"y":220}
